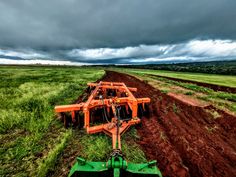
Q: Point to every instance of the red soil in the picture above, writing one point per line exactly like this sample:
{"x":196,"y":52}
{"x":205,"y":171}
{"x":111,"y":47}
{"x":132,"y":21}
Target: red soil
{"x":184,"y":137}
{"x":188,"y":100}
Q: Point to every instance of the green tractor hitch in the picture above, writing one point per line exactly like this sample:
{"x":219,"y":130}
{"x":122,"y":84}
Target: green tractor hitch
{"x":116,"y":166}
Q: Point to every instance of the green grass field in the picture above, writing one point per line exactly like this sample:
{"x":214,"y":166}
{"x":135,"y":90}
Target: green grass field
{"x":223,"y":80}
{"x":32,"y":139}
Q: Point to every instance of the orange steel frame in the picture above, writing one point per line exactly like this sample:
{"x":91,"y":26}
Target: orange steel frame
{"x":93,"y":101}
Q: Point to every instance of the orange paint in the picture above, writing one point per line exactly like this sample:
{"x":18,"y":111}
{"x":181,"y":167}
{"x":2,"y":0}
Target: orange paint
{"x":95,"y":100}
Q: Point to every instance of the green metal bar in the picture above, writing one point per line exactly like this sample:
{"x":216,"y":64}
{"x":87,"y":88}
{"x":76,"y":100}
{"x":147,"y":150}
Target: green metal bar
{"x":116,"y":172}
{"x":82,"y":168}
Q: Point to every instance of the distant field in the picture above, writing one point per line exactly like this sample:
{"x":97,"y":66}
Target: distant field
{"x":209,"y":67}
{"x":223,"y":80}
{"x":222,"y":99}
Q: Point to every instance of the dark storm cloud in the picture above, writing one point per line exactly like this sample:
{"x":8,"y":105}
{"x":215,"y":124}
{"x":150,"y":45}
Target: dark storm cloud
{"x":67,"y":24}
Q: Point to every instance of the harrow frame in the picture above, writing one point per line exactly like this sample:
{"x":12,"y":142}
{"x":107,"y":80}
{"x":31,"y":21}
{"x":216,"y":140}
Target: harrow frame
{"x":129,"y":101}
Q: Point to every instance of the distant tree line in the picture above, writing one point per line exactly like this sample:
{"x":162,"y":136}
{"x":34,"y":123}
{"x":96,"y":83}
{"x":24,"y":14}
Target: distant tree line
{"x":213,"y":67}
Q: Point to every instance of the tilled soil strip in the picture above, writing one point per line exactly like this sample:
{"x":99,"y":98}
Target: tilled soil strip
{"x":185,"y":140}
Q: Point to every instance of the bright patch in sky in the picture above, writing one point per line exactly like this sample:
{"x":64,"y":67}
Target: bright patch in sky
{"x":26,"y":54}
{"x":194,"y":50}
{"x":219,"y":48}
{"x":43,"y":62}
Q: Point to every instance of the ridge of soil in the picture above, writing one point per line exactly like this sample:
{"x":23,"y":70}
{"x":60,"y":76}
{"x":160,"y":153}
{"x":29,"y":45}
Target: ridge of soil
{"x":188,"y":100}
{"x":185,"y":139}
{"x":211,"y":86}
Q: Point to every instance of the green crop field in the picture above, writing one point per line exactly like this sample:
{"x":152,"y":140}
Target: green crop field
{"x":223,"y":80}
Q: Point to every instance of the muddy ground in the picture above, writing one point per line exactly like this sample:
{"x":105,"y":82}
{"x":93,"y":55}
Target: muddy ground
{"x":186,"y":139}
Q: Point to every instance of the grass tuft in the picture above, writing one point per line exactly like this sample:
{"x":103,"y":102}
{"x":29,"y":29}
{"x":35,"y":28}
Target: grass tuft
{"x":52,"y":156}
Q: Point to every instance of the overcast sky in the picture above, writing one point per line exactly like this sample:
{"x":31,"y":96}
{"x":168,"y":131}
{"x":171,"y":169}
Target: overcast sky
{"x":119,"y":32}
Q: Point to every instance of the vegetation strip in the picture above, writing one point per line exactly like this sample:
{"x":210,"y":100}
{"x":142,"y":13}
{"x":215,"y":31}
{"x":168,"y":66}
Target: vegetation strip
{"x":211,"y":86}
{"x":216,"y":79}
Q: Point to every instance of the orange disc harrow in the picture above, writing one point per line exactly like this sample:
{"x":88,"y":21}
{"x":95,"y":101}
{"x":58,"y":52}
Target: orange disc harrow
{"x":107,"y":96}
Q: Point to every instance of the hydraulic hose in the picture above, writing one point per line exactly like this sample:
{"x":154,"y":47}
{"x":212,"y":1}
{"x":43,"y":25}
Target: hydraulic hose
{"x":104,"y":111}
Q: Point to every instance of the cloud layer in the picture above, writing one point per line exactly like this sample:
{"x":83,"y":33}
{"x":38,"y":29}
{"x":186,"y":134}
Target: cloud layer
{"x":195,"y":50}
{"x":123,"y":31}
{"x":104,"y":23}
